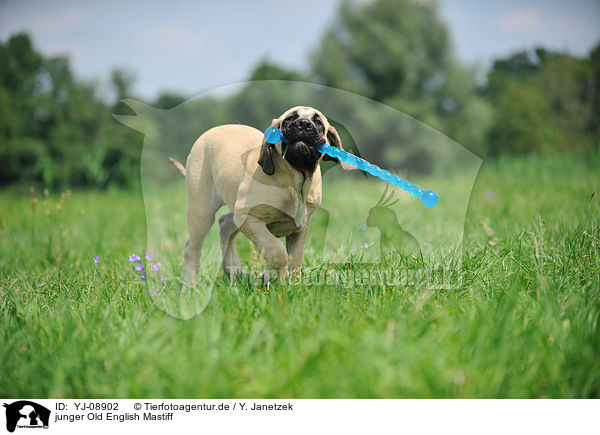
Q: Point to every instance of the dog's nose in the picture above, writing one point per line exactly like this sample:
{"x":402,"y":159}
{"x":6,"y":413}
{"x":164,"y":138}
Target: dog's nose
{"x":304,"y":124}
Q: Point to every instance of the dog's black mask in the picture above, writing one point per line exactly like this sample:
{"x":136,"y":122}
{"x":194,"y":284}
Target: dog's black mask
{"x":303,"y":137}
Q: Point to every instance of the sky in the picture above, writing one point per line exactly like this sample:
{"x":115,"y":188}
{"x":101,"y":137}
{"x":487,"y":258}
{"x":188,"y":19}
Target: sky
{"x":195,"y":46}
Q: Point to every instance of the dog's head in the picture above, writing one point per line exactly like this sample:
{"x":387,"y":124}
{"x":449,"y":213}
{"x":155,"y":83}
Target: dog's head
{"x":305,"y":128}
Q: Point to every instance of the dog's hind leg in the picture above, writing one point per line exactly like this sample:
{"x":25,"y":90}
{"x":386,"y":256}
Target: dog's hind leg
{"x":200,"y":216}
{"x":228,"y":231}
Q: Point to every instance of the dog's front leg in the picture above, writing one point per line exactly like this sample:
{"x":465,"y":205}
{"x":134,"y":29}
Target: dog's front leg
{"x":295,"y":248}
{"x":275,"y":254}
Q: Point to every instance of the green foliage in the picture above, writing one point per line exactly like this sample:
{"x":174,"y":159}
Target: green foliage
{"x":122,"y":81}
{"x":267,"y":70}
{"x":168,"y":100}
{"x":520,"y":120}
{"x":407,"y":60}
{"x":544,"y":102}
{"x":524,"y":325}
{"x":398,"y":52}
{"x":54,"y":130}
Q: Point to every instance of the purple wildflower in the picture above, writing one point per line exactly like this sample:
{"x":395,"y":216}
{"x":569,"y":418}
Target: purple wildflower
{"x":366,"y":245}
{"x":140,"y":266}
{"x":134,"y":257}
{"x":149,"y":256}
{"x":154,"y":291}
{"x":143,"y":276}
{"x":162,"y":278}
{"x":156,"y":267}
{"x":96,"y":259}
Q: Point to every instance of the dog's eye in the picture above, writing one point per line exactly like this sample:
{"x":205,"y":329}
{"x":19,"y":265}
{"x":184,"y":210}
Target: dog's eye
{"x":318,"y":121}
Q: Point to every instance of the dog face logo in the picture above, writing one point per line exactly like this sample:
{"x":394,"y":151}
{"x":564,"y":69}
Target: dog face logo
{"x":26,"y":414}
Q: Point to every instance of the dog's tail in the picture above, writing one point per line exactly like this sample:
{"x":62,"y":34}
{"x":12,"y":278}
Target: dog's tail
{"x":178,"y":165}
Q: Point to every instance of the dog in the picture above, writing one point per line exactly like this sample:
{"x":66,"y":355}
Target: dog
{"x":271,"y":190}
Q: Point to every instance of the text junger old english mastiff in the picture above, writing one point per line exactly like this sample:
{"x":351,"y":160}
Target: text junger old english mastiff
{"x":271,"y":190}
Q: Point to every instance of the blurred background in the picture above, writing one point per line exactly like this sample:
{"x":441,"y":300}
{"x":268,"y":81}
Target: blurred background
{"x":502,"y":79}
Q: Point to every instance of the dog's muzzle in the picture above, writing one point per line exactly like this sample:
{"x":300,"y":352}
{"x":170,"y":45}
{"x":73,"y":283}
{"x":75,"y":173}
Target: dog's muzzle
{"x":301,"y":149}
{"x":303,"y":130}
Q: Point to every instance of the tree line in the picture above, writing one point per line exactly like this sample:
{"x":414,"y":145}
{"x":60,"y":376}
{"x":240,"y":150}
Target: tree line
{"x":57,"y":131}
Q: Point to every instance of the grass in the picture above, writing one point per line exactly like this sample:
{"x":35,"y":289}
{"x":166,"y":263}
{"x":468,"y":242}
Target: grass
{"x":523,"y":324}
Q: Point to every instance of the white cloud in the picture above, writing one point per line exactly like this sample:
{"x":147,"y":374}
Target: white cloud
{"x":521,"y":20}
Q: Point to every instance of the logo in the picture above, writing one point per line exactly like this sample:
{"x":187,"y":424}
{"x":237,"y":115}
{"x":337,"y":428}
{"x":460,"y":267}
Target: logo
{"x":26,"y":414}
{"x":350,"y":227}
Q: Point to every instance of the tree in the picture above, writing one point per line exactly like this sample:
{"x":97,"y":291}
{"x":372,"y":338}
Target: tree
{"x":54,"y":130}
{"x":267,"y":70}
{"x":398,"y":52}
{"x":168,"y":100}
{"x":543,"y":102}
{"x":122,"y":80}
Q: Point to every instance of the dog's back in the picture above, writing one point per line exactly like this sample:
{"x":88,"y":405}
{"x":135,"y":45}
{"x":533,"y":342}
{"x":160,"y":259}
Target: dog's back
{"x":220,"y":157}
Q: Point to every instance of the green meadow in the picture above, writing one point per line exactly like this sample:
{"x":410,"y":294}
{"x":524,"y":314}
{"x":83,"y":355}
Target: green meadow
{"x":524,"y":323}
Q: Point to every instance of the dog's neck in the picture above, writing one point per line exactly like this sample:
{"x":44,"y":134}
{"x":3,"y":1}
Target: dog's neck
{"x":298,"y":174}
{"x":301,"y":180}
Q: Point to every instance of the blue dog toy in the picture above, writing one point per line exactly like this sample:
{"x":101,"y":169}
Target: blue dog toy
{"x":428,"y":197}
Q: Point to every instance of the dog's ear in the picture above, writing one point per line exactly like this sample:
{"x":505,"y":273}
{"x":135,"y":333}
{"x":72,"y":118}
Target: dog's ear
{"x":333,"y":139}
{"x":265,"y":160}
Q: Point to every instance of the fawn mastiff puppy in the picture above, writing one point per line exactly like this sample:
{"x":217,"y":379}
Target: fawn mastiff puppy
{"x":272,"y":190}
